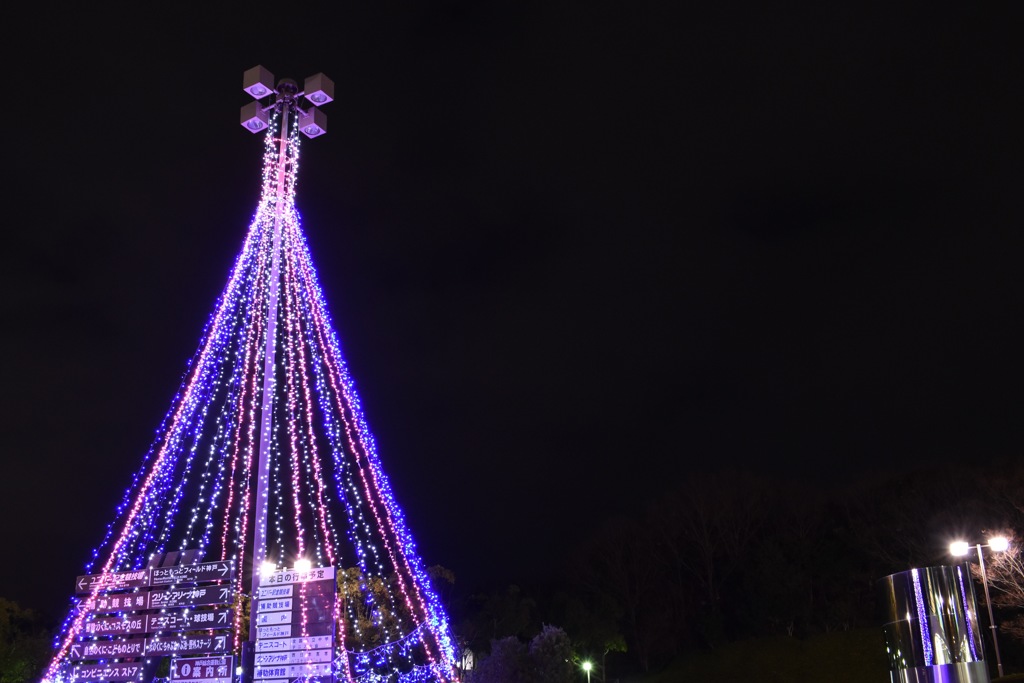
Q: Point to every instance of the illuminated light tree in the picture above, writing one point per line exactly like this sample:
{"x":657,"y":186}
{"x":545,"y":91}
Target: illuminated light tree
{"x":265,"y":453}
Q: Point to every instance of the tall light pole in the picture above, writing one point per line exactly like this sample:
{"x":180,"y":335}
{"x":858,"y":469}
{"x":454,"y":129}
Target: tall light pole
{"x":587,"y":666}
{"x":998,"y":544}
{"x":286,"y":99}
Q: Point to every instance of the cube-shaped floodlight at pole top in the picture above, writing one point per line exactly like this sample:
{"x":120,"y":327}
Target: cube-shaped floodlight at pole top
{"x":318,"y":89}
{"x":254,"y":118}
{"x":258,"y":82}
{"x":313,"y":124}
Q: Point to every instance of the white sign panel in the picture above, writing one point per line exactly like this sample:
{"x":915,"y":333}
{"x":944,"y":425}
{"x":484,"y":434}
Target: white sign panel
{"x":284,"y":591}
{"x":283,"y":631}
{"x":293,"y":657}
{"x":283,"y":644}
{"x":274,"y":605}
{"x":293,"y":670}
{"x":271,"y":618}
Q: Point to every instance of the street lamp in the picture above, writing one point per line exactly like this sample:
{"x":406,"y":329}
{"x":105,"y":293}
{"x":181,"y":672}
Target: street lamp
{"x":998,"y":544}
{"x":588,"y":665}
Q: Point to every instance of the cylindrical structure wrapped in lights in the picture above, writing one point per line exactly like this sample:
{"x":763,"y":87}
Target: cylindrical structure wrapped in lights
{"x":931,"y":626}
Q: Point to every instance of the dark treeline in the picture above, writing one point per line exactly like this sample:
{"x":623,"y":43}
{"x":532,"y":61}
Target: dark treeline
{"x":24,"y":643}
{"x":730,"y":556}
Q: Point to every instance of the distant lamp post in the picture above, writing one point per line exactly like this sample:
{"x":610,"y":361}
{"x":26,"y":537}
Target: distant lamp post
{"x":998,"y":544}
{"x":587,"y":666}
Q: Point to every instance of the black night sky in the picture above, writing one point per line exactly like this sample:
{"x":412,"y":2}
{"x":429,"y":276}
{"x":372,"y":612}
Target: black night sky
{"x":574,"y":252}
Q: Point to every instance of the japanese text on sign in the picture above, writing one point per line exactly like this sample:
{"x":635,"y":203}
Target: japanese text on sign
{"x":116,"y":626}
{"x":193,"y":573}
{"x":284,"y":591}
{"x":183,"y":597}
{"x":112,"y":582}
{"x":186,"y":620}
{"x":124,"y":602}
{"x":283,"y":631}
{"x":293,"y":657}
{"x":293,"y":576}
{"x":294,"y":670}
{"x":106,"y":649}
{"x":272,"y":605}
{"x":192,"y":645}
{"x":107,"y":672}
{"x":169,"y":620}
{"x":282,"y":644}
{"x":205,"y":669}
{"x":271,"y":618}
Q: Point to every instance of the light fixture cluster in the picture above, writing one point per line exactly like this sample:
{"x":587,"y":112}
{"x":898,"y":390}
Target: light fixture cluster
{"x":317,"y":91}
{"x":328,"y":502}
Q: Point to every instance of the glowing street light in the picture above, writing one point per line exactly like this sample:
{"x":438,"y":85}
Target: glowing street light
{"x":998,"y":544}
{"x":587,"y":666}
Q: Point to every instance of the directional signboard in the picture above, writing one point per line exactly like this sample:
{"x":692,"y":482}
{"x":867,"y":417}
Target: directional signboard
{"x":108,"y":649}
{"x":189,"y":620}
{"x":193,"y":573}
{"x":202,"y":669}
{"x":107,"y":672}
{"x":189,"y":645}
{"x":118,"y":602}
{"x":204,"y":572}
{"x":166,"y":621}
{"x":139,"y":647}
{"x":117,"y":581}
{"x":195,"y":596}
{"x":121,"y":625}
{"x":190,"y":597}
{"x":137,"y":595}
